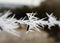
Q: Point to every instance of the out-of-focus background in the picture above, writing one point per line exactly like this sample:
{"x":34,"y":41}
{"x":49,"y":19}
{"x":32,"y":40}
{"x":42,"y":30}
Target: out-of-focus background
{"x":41,"y":7}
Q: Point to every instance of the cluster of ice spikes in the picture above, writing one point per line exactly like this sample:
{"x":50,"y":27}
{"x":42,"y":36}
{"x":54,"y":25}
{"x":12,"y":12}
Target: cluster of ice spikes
{"x":9,"y":24}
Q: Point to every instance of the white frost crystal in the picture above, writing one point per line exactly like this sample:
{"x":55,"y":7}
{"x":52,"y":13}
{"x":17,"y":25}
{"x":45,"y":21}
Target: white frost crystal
{"x":9,"y":24}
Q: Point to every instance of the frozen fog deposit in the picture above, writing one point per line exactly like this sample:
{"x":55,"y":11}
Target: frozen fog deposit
{"x":9,"y":24}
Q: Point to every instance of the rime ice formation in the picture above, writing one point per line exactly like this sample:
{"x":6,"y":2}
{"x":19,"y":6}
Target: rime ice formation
{"x":9,"y":24}
{"x":34,"y":22}
{"x":52,"y":20}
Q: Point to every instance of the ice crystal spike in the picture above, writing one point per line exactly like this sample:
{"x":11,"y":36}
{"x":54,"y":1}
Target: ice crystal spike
{"x":13,"y":16}
{"x":6,"y":14}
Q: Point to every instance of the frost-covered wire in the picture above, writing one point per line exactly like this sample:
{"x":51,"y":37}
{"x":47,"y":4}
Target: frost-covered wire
{"x":9,"y":24}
